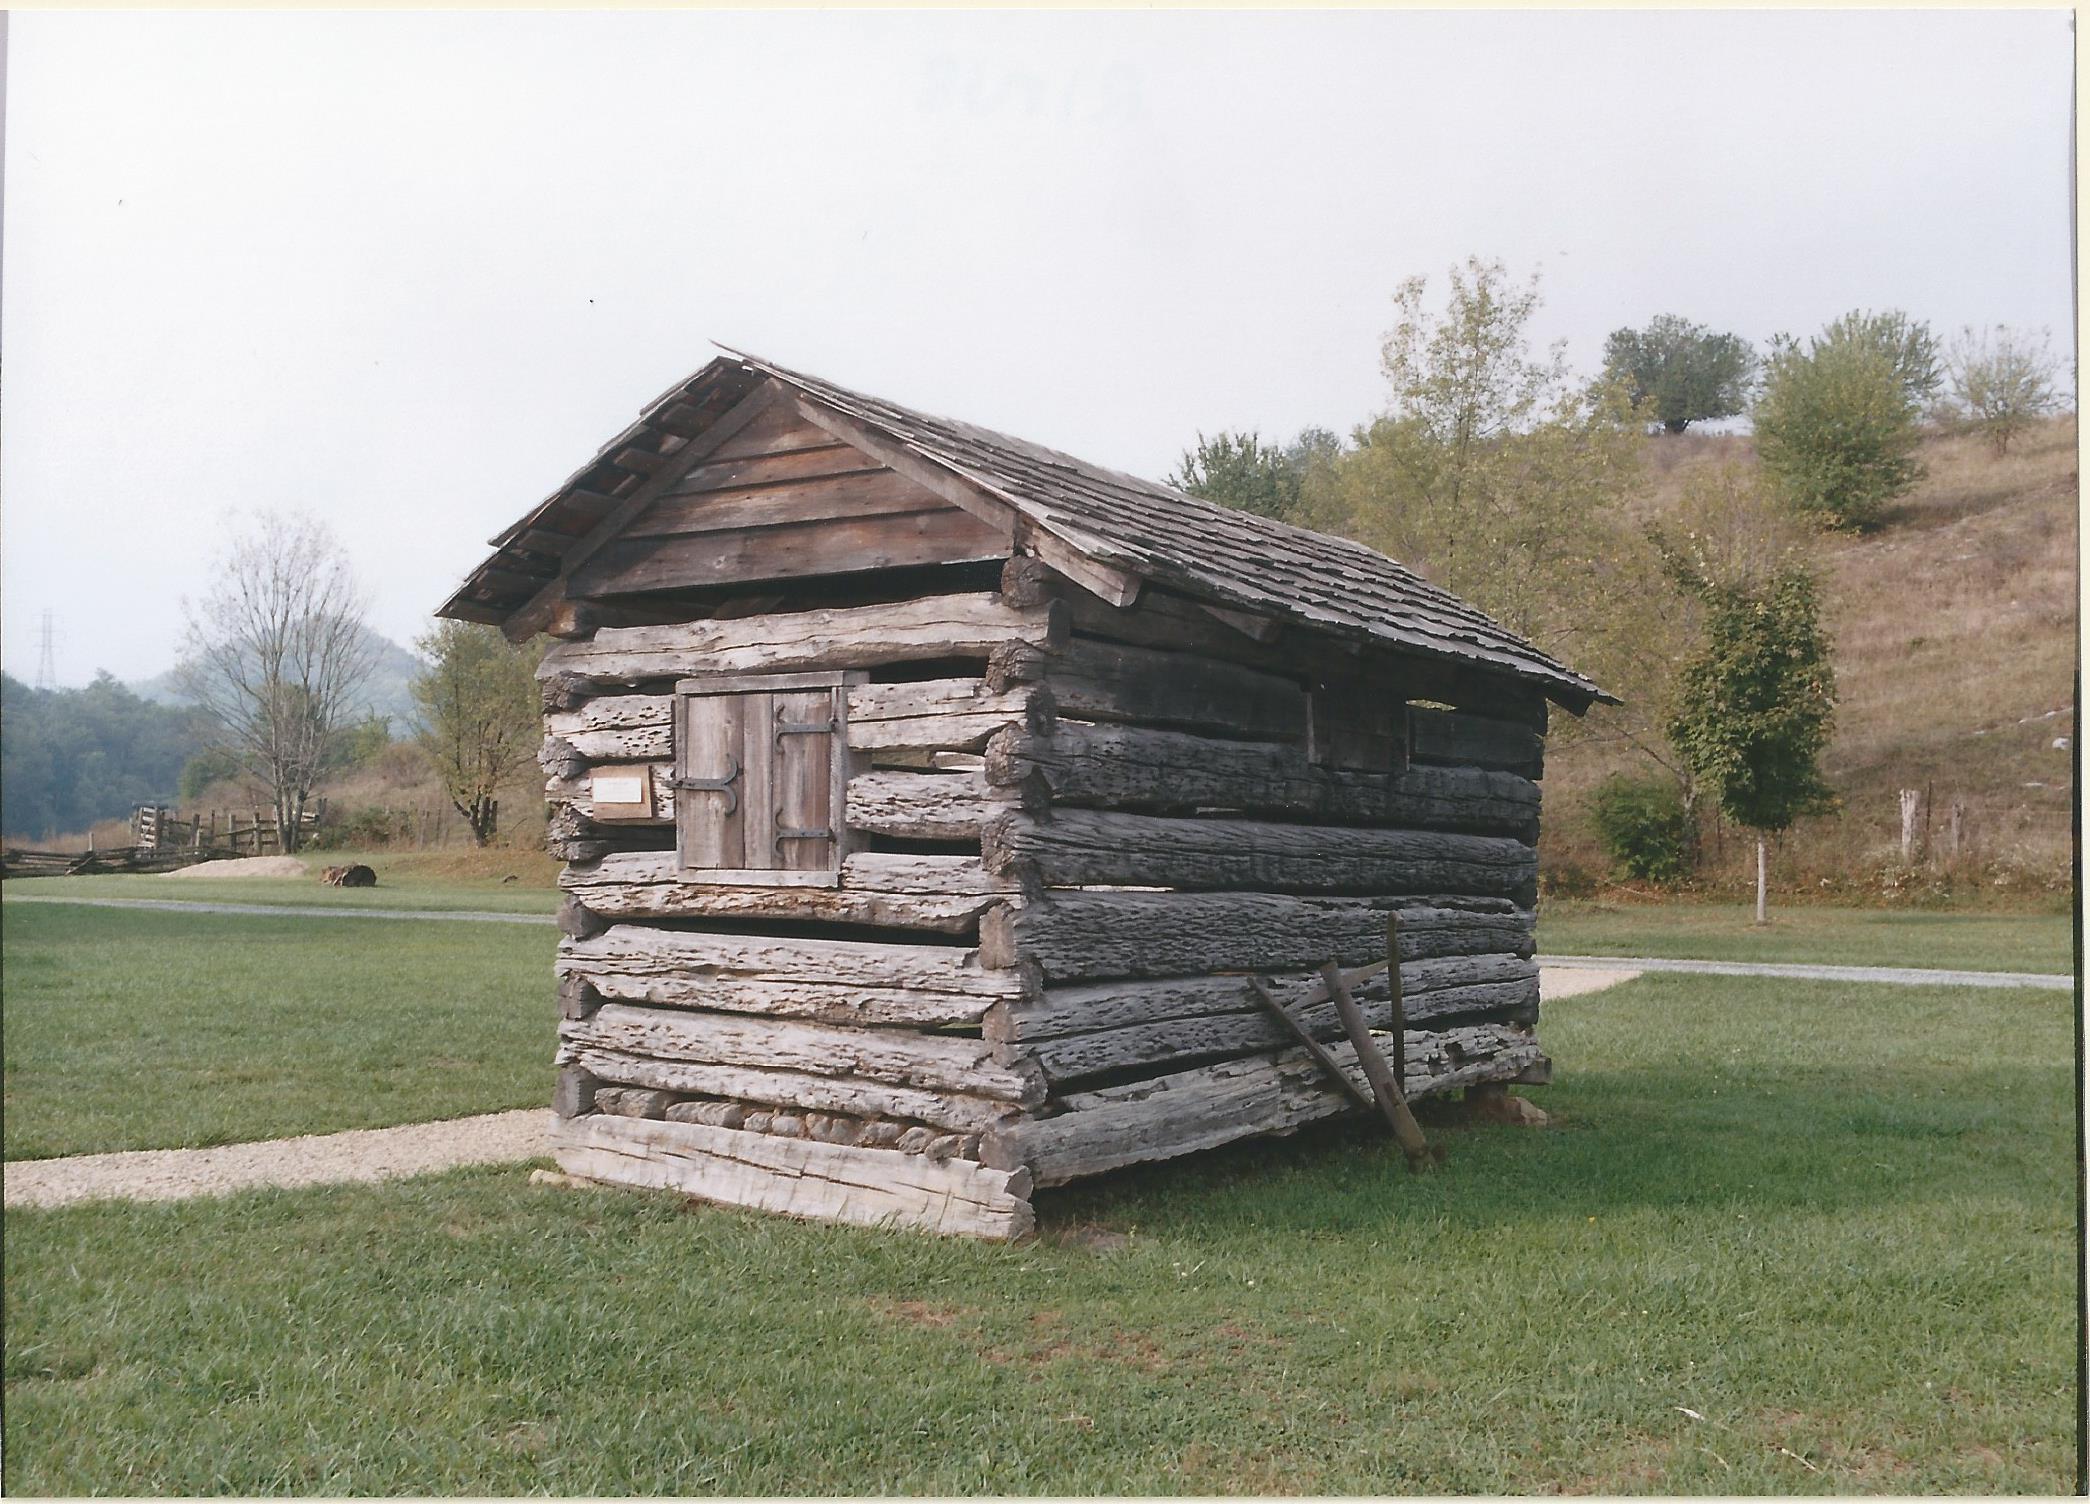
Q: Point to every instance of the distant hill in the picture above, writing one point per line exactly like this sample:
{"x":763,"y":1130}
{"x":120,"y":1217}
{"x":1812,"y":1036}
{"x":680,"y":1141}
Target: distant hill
{"x":385,"y":693}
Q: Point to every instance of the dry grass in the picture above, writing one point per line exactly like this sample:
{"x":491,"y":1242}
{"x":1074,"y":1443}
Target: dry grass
{"x":1954,"y":627}
{"x":396,"y":788}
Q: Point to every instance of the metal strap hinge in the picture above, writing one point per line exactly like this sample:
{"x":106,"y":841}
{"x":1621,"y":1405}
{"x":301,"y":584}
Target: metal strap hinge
{"x":722,"y":785}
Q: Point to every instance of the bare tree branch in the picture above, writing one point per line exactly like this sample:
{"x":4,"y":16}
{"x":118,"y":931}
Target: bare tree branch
{"x":274,"y":655}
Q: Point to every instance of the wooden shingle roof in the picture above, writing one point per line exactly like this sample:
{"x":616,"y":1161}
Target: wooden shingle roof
{"x":1117,"y":521}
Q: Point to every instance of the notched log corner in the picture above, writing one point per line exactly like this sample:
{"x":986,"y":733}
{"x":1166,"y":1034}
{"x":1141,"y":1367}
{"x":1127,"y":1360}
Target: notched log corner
{"x":577,"y":997}
{"x":578,"y":921}
{"x":563,"y":692}
{"x":561,"y":759}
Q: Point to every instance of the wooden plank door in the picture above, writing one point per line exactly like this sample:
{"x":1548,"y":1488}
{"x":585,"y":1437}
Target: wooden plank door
{"x":761,"y":768}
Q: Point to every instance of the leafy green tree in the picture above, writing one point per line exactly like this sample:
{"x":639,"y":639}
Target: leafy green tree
{"x":1906,"y":343}
{"x":1493,"y":472}
{"x":360,"y":744}
{"x":2002,"y":381}
{"x":71,"y":758}
{"x":1836,"y":424}
{"x":478,"y":703}
{"x":1239,"y":470}
{"x":1758,"y":698}
{"x":207,"y":767}
{"x":1682,"y":372}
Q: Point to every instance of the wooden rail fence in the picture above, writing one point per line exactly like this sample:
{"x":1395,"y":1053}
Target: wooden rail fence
{"x":252,"y":832}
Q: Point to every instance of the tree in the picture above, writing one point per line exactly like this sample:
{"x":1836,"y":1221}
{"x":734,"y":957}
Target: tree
{"x":478,"y":702}
{"x":1836,"y":424}
{"x":1728,"y":529}
{"x":274,"y":657}
{"x":2002,"y":381}
{"x":1683,"y":372}
{"x":1239,"y":470}
{"x":1758,"y":699}
{"x":1492,"y":472}
{"x":71,"y":758}
{"x":1907,"y":344}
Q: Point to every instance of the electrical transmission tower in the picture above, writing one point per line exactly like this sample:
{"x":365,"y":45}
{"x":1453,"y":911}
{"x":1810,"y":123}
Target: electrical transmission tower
{"x":47,"y":654}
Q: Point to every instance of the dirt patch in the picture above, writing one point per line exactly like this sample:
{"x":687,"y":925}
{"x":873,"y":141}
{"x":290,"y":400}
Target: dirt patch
{"x":1556,"y":982}
{"x":247,"y":866}
{"x":1126,"y":1349}
{"x":920,"y":1312}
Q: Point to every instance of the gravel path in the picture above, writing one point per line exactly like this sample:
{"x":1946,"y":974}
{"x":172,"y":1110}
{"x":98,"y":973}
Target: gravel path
{"x":315,"y":1159}
{"x":301,"y":911}
{"x":1900,"y":976}
{"x":1557,"y":982}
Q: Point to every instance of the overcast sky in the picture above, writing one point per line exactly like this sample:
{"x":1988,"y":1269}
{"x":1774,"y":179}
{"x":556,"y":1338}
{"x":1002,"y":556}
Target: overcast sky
{"x":409,"y":270}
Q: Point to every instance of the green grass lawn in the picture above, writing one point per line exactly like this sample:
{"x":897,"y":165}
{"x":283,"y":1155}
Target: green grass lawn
{"x":404,"y":882}
{"x":140,"y":1029}
{"x":1780,"y":1238}
{"x":1830,"y":936}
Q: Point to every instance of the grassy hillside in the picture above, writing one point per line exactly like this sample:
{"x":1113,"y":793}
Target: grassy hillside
{"x":1955,"y":630}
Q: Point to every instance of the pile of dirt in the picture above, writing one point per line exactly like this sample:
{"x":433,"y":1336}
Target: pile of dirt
{"x":247,"y":866}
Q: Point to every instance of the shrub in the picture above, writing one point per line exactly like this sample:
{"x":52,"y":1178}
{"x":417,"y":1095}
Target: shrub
{"x":1644,"y":827}
{"x":1837,"y":422}
{"x":205,"y":768}
{"x":2003,"y":382}
{"x":368,"y":828}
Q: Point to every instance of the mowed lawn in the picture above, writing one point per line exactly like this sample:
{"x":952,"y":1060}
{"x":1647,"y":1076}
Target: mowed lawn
{"x":403,"y":882}
{"x":146,"y":1029}
{"x":1779,"y":1238}
{"x":1825,"y":936}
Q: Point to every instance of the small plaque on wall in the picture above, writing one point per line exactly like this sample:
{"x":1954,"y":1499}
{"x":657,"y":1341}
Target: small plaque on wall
{"x":622,"y":793}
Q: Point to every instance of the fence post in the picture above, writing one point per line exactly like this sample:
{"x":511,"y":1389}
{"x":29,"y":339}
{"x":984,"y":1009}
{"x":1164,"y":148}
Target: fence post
{"x":1911,"y":806}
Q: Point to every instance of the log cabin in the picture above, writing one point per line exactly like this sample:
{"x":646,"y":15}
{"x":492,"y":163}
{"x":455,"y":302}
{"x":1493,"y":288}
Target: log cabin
{"x":941,"y":813}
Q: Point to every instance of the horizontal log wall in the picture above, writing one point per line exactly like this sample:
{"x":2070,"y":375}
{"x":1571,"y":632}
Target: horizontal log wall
{"x":1211,"y":1105}
{"x":1436,"y":986}
{"x":1151,"y":770}
{"x":896,"y":1057}
{"x":930,"y":627}
{"x":1219,"y":799}
{"x":1076,"y":848}
{"x":943,"y":893}
{"x":799,"y":1177}
{"x":743,"y":1039}
{"x":1165,"y":799}
{"x":1074,"y":935}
